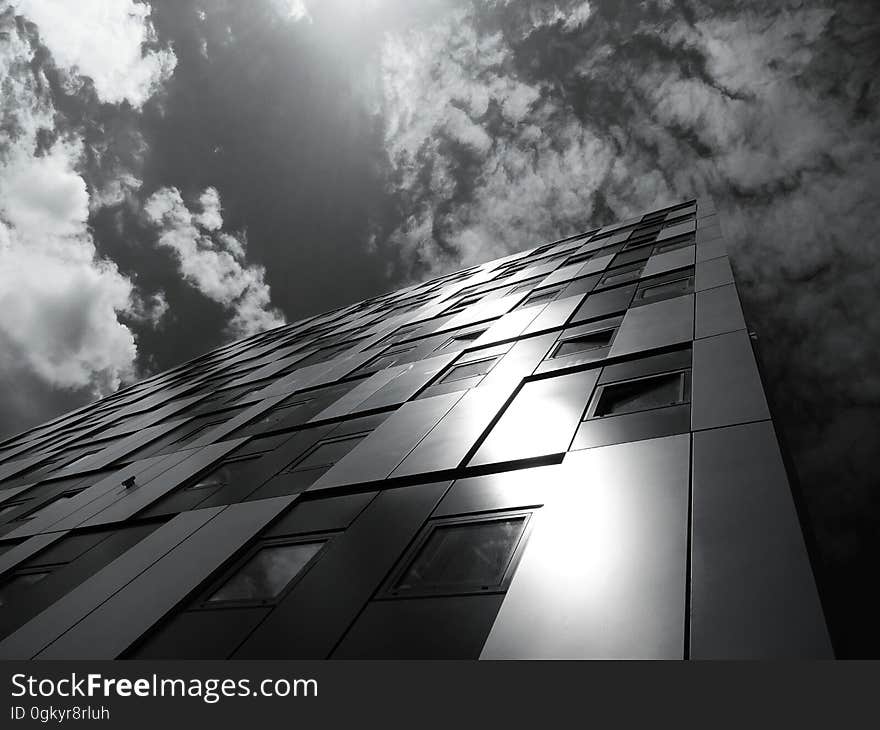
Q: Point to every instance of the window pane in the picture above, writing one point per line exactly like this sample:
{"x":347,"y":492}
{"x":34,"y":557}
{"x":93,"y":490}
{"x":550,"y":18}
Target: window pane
{"x":590,"y":341}
{"x":640,"y":395}
{"x":17,"y":583}
{"x":469,"y":370}
{"x":329,"y":452}
{"x":471,"y":555}
{"x":678,"y":286}
{"x":267,"y":573}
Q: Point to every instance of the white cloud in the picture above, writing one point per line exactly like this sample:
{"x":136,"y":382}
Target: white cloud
{"x":212,"y":260}
{"x":58,"y":302}
{"x":61,"y":304}
{"x":103,"y":40}
{"x":292,"y":10}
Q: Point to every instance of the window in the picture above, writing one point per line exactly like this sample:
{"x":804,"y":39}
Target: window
{"x":624,"y":274}
{"x":327,"y":452}
{"x":8,"y":507}
{"x":664,"y":290}
{"x":51,"y":503}
{"x":469,"y":370}
{"x":462,"y":555}
{"x":655,"y":391}
{"x":675,"y":243}
{"x":583,"y":343}
{"x":459,"y":341}
{"x":226,"y":473}
{"x":278,"y":414}
{"x":267,"y":572}
{"x":19,"y":582}
{"x":389,"y":358}
{"x":541,"y":297}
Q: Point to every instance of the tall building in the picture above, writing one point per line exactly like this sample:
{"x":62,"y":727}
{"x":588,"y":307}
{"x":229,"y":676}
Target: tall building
{"x":564,"y":453}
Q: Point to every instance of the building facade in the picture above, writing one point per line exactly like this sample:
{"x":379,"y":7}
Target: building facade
{"x":564,"y":453}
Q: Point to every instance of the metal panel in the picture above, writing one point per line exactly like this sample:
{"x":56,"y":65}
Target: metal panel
{"x":124,"y":503}
{"x":540,"y":421}
{"x":406,"y":385}
{"x":27,"y":549}
{"x":383,"y":450}
{"x":679,"y":229}
{"x":120,"y":621}
{"x":51,"y":623}
{"x":711,"y":249}
{"x":753,"y":595}
{"x":603,"y":574}
{"x":718,"y":311}
{"x":712,"y":273}
{"x":312,"y":618}
{"x":450,"y":627}
{"x":554,"y":315}
{"x":655,"y":325}
{"x":662,"y":262}
{"x":726,"y":385}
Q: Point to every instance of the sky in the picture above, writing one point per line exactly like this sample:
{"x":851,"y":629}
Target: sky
{"x":180,"y":173}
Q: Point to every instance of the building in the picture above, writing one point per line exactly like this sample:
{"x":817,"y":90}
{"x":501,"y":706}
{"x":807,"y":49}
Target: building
{"x":564,"y":453}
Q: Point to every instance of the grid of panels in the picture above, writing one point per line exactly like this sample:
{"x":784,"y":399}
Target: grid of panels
{"x":563,"y":453}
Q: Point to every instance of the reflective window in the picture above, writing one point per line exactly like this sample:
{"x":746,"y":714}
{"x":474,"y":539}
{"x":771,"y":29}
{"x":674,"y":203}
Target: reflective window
{"x":463,"y":556}
{"x":582,"y":343}
{"x":267,"y":573}
{"x":469,"y":370}
{"x":640,"y":395}
{"x":459,"y":341}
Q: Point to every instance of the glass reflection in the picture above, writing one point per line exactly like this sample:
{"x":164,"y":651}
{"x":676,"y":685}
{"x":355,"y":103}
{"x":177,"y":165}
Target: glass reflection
{"x":462,"y":556}
{"x":267,"y":573}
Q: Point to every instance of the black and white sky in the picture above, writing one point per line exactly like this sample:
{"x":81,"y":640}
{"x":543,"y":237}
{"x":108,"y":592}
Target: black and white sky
{"x":177,"y":173}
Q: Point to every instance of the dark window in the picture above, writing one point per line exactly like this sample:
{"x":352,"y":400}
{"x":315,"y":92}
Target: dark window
{"x":667,"y":289}
{"x":469,"y":370}
{"x":8,"y":507}
{"x":328,"y":452}
{"x":582,"y":343}
{"x":226,"y":473}
{"x":539,"y":297}
{"x":19,"y":582}
{"x":267,"y":572}
{"x":462,"y":556}
{"x":643,"y":394}
{"x":278,"y":414}
{"x":624,"y":274}
{"x":51,"y":503}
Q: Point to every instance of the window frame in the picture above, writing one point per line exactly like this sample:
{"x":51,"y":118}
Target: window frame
{"x":444,"y":378}
{"x":685,"y":391}
{"x":203,"y":603}
{"x":388,"y":592}
{"x":554,"y":352}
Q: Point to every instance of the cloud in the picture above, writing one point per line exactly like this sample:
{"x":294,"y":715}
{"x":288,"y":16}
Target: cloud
{"x":292,"y":10}
{"x":107,"y":41}
{"x":512,"y":124}
{"x":59,"y":301}
{"x":213,"y":261}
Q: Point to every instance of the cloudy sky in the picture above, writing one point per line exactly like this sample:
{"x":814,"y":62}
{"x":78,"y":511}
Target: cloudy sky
{"x":178,"y":173}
